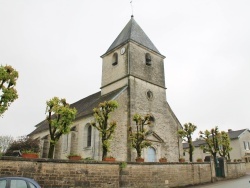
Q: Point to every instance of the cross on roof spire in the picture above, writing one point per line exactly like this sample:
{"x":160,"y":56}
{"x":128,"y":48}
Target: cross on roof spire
{"x":131,"y":3}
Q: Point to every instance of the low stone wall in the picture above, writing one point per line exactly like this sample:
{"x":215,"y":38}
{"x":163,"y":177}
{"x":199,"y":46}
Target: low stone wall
{"x":73,"y":174}
{"x":165,"y":175}
{"x":235,"y":170}
{"x":248,"y":165}
{"x":63,"y":173}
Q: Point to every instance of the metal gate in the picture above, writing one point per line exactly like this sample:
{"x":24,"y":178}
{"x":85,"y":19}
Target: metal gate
{"x":219,"y":167}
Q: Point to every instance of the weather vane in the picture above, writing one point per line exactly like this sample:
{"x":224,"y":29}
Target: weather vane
{"x":132,"y":8}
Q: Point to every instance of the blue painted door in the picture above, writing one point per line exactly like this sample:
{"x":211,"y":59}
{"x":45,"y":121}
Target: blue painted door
{"x":151,"y":155}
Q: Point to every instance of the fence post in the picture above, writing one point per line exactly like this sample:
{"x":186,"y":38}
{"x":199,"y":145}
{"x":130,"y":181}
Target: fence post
{"x":213,"y":174}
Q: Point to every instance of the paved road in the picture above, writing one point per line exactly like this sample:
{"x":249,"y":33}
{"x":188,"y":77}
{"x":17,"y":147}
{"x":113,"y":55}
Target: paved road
{"x":242,"y":182}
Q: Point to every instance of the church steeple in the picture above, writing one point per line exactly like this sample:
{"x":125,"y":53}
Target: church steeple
{"x":133,"y":32}
{"x":132,"y":55}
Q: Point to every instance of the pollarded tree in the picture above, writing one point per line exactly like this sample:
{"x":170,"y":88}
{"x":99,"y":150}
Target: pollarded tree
{"x":103,"y":125}
{"x":224,"y":145}
{"x":138,"y":135}
{"x":212,"y":139}
{"x":186,"y":135}
{"x":59,"y":116}
{"x":8,"y":93}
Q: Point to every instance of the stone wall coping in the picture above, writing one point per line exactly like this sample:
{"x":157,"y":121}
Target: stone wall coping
{"x":47,"y":160}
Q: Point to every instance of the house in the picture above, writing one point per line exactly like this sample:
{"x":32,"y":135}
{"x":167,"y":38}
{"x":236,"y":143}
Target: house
{"x":133,"y":75}
{"x":197,"y":153}
{"x":239,"y":141}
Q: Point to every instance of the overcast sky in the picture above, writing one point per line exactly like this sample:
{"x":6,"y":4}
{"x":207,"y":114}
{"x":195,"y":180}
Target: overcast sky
{"x":56,"y":45}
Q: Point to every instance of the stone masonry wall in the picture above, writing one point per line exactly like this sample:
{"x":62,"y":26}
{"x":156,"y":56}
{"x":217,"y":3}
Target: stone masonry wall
{"x":165,"y":126}
{"x":63,"y":173}
{"x":235,"y":170}
{"x":138,"y":68}
{"x":73,"y":174}
{"x":165,"y":175}
{"x":111,"y":73}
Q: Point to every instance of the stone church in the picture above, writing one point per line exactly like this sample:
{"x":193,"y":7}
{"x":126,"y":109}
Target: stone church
{"x":133,"y":75}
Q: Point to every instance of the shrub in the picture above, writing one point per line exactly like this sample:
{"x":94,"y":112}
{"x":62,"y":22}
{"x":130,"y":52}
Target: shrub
{"x":88,"y":159}
{"x":24,"y":144}
{"x":199,"y":160}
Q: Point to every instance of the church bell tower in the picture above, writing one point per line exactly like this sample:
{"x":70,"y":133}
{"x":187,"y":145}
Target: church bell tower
{"x":132,"y":54}
{"x":134,"y":63}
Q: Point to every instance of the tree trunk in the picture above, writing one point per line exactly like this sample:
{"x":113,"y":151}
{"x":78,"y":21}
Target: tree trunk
{"x":190,"y":152}
{"x":104,"y":152}
{"x":104,"y":145}
{"x":138,"y":152}
{"x":215,"y":161}
{"x":51,"y":150}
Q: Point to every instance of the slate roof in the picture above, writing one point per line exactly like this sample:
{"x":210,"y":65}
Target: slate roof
{"x":84,"y":107}
{"x":196,"y":143}
{"x":132,"y":31}
{"x":235,"y":134}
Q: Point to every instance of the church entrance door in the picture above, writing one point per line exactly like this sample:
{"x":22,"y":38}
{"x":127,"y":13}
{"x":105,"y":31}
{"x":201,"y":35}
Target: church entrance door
{"x":151,"y":155}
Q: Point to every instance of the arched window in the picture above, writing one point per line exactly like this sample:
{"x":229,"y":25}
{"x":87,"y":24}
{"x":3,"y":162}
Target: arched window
{"x":65,"y":142}
{"x":73,"y":142}
{"x":115,"y":59}
{"x":148,"y":59}
{"x":89,"y":136}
